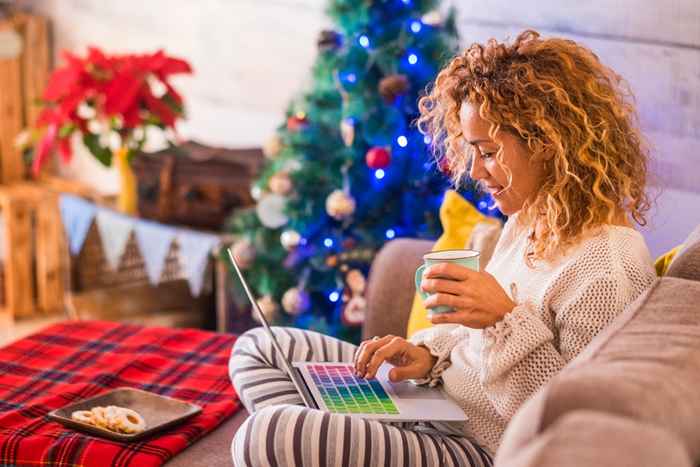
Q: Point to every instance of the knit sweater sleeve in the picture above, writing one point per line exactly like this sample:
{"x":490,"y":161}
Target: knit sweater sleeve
{"x":521,"y":353}
{"x":439,"y":340}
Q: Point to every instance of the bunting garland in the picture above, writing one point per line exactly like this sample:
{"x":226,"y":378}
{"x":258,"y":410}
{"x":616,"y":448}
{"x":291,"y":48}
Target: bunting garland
{"x":154,"y":240}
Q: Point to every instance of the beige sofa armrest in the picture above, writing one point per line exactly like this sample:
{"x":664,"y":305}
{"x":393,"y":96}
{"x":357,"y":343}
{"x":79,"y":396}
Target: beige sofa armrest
{"x":391,"y":287}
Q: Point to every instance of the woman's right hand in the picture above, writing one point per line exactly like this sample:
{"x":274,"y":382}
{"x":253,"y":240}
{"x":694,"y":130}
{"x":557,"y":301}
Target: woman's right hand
{"x":410,"y":361}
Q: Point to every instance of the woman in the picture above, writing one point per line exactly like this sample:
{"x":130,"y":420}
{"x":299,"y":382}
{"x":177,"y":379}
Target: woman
{"x":549,"y":132}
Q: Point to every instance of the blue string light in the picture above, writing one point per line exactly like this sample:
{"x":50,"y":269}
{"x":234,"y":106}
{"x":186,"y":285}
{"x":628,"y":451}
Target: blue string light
{"x":379,"y":174}
{"x":427,"y":139}
{"x":413,"y":59}
{"x":416,"y":26}
{"x":328,"y":242}
{"x":390,"y":233}
{"x":334,"y":296}
{"x":352,"y":77}
{"x":364,"y":41}
{"x":402,"y":141}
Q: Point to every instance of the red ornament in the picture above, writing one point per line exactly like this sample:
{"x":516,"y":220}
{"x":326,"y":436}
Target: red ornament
{"x":297,"y":122}
{"x":378,"y":158}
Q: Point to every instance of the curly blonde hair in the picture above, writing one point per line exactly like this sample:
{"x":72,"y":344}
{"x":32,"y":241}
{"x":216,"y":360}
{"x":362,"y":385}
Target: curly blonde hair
{"x":560,"y":100}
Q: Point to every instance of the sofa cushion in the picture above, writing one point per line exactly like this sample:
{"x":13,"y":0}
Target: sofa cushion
{"x":591,"y":439}
{"x":644,"y":366}
{"x":686,"y":263}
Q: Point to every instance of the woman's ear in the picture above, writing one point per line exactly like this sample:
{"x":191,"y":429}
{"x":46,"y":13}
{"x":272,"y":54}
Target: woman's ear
{"x":546,"y":155}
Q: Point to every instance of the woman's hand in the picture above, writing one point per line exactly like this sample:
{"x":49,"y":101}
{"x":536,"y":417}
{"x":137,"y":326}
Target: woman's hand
{"x":410,"y":361}
{"x":477,"y":298}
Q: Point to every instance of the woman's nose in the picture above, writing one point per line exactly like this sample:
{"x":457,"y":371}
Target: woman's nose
{"x":477,"y":171}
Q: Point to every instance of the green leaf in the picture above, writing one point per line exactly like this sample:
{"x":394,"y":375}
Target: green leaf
{"x":66,"y":130}
{"x":101,"y":153}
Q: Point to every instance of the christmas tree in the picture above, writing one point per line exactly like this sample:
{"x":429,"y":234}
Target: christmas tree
{"x":348,"y":170}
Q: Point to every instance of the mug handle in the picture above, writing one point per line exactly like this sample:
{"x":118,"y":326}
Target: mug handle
{"x":419,"y":280}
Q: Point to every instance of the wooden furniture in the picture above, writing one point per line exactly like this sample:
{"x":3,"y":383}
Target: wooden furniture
{"x":22,"y":81}
{"x":195,"y":185}
{"x":33,"y":249}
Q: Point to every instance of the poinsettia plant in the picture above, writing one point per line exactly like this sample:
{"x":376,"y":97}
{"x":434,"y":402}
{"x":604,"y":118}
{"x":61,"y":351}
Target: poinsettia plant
{"x":110,"y":100}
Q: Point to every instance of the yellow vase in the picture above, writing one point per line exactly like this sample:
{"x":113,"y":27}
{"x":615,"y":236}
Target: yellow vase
{"x":127,"y":201}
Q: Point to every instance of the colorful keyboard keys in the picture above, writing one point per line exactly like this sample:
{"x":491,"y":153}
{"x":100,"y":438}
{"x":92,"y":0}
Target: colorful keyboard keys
{"x":343,"y":392}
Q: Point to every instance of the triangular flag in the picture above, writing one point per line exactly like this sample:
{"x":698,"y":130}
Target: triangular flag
{"x":115,"y":230}
{"x":154,"y":242}
{"x":195,"y":249}
{"x":77,"y":215}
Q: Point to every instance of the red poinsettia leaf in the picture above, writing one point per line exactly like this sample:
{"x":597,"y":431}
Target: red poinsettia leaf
{"x":160,"y":110}
{"x":65,"y":150}
{"x":173,"y":93}
{"x":97,"y":58}
{"x":45,"y":147}
{"x":62,"y":81}
{"x":174,"y":65}
{"x":122,"y":92}
{"x":45,"y":117}
{"x":132,"y":118}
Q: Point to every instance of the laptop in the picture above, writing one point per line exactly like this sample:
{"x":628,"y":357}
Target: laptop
{"x":333,"y":386}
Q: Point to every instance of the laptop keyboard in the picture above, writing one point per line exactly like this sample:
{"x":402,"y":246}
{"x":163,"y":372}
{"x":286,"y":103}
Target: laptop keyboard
{"x":343,"y":392}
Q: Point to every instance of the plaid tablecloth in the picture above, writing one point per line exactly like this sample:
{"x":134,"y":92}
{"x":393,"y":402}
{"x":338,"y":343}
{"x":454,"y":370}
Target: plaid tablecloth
{"x":76,"y":360}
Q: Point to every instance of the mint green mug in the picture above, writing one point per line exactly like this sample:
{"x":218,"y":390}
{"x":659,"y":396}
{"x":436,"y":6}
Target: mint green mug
{"x":466,"y":258}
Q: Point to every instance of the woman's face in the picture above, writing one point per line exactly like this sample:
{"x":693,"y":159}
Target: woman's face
{"x":526,"y":171}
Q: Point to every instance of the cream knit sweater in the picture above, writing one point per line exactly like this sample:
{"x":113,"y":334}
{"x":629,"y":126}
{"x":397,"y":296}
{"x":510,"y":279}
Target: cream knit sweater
{"x":561,"y":307}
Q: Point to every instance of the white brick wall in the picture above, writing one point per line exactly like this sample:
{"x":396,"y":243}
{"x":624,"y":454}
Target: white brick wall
{"x":252,"y":56}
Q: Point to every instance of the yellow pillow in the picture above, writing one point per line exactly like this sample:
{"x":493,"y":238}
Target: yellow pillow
{"x":664,"y":261}
{"x":458,"y":217}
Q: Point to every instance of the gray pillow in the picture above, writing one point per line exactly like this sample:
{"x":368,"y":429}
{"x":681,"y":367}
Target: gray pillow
{"x":645,"y":366}
{"x":686,"y":263}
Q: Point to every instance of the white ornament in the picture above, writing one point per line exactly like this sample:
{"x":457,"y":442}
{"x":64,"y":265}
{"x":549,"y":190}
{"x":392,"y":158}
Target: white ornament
{"x":432,"y":18}
{"x":347,"y":131}
{"x":340,"y":205}
{"x":255,"y":192}
{"x":270,"y":210}
{"x":269,"y":308}
{"x":272,"y":146}
{"x":292,"y":165}
{"x":290,"y":239}
{"x":280,"y":184}
{"x":295,"y":301}
{"x":244,"y":252}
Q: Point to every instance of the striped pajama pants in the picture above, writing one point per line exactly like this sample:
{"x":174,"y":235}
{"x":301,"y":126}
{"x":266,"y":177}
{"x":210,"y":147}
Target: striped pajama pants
{"x":282,"y":431}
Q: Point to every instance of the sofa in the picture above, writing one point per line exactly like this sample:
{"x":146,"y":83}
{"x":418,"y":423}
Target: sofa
{"x":631,"y":398}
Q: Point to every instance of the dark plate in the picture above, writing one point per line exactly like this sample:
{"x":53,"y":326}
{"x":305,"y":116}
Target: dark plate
{"x":159,"y":412}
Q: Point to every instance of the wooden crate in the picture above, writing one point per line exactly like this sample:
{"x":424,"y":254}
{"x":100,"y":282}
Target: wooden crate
{"x":22,"y":80}
{"x":34,"y":248}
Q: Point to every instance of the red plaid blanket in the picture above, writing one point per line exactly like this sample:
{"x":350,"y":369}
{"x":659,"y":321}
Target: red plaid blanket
{"x":75,"y":360}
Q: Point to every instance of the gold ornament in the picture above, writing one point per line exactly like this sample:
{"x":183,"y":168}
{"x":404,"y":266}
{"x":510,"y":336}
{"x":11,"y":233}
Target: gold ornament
{"x":290,"y":239}
{"x":244,"y":252}
{"x":272,"y":146}
{"x":295,"y":301}
{"x":269,"y":308}
{"x":432,"y":18}
{"x":280,"y":184}
{"x":340,"y":205}
{"x":347,"y":131}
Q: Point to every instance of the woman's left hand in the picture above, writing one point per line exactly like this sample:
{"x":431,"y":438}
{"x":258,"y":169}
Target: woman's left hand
{"x":478,"y":299}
